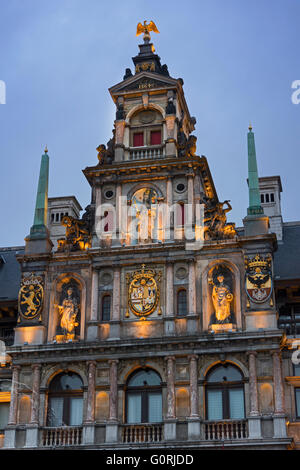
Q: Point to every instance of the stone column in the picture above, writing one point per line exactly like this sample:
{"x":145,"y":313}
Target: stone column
{"x":170,"y":420}
{"x":115,"y":321}
{"x":190,"y":209}
{"x":117,"y":231}
{"x":169,"y":316}
{"x":32,"y":430}
{"x":112,"y":423}
{"x":254,"y":420}
{"x":279,"y":412}
{"x":92,"y":332}
{"x":10,"y":432}
{"x":96,"y":229}
{"x":119,"y":146}
{"x":89,"y":423}
{"x":169,"y":232}
{"x":192,"y":326}
{"x":194,"y":420}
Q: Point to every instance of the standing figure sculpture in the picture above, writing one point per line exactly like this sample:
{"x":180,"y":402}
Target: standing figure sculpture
{"x":222,"y":298}
{"x":68,"y":311}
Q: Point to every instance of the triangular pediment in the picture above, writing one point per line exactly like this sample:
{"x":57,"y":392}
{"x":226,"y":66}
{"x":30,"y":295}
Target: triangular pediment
{"x":143,"y":81}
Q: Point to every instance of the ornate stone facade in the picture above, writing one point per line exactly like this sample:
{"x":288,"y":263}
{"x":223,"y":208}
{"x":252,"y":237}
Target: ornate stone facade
{"x":141,"y":300}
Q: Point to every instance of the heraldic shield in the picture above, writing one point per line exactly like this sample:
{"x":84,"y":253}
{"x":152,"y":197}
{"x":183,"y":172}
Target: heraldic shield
{"x":31,"y":295}
{"x":143,"y":292}
{"x":259,"y":284}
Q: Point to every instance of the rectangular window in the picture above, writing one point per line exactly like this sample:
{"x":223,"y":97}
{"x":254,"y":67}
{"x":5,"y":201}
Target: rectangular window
{"x":134,"y":408}
{"x":55,"y":417}
{"x":297,"y":370}
{"x":236,"y":404}
{"x":76,"y":411}
{"x":155,"y":407}
{"x":272,"y":197}
{"x":138,"y":139}
{"x":155,"y":138}
{"x":4,"y":411}
{"x":214,"y":405}
{"x":267,"y":198}
{"x":262,"y":198}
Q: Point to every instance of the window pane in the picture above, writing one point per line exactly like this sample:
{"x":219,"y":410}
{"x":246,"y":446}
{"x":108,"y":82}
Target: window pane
{"x":236,"y":404}
{"x":182,"y":302}
{"x":138,"y":139}
{"x":214,"y":405}
{"x":297,"y":369}
{"x":106,"y":308}
{"x":76,"y":411}
{"x":155,"y":407}
{"x":68,"y":381}
{"x":143,"y":378}
{"x":224,"y":374}
{"x":4,"y":411}
{"x":134,"y":408}
{"x":155,"y":138}
{"x":55,"y":413}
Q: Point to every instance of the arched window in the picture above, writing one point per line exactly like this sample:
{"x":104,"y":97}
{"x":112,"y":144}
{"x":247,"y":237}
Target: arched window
{"x":65,"y":400}
{"x":180,"y":214}
{"x":181,"y":303}
{"x":224,"y":393}
{"x":144,"y":397}
{"x":106,"y":304}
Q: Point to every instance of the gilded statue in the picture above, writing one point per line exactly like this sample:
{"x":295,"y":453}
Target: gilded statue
{"x":145,"y":29}
{"x":68,"y":312}
{"x":78,"y":235}
{"x":215,"y":220}
{"x":222,"y":298}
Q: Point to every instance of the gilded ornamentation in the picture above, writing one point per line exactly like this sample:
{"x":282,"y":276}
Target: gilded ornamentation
{"x":31,"y":296}
{"x":259,"y":284}
{"x":145,"y":29}
{"x":215,"y":220}
{"x":143,"y":292}
{"x":78,"y":235}
{"x":222,"y":296}
{"x":68,"y":313}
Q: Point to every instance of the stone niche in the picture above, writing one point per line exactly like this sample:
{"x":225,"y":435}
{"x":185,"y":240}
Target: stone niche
{"x":67,"y":309}
{"x":221,"y":297}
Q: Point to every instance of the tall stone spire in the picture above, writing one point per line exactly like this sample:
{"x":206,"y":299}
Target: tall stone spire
{"x":256,"y":222}
{"x":38,"y":240}
{"x":255,"y":207}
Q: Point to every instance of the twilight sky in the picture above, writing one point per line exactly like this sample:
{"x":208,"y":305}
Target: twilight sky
{"x":238,"y":60}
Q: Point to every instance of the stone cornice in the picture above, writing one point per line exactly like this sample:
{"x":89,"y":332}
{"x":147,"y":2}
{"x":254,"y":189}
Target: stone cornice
{"x":151,"y":347}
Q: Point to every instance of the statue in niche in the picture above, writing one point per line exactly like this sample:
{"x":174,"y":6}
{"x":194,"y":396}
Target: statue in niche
{"x":68,"y":312}
{"x":222,"y":297}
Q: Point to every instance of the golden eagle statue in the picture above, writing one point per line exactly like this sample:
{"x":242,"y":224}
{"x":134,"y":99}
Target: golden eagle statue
{"x":146,"y":28}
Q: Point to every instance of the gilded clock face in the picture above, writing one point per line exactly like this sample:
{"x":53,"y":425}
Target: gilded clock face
{"x":142,"y":295}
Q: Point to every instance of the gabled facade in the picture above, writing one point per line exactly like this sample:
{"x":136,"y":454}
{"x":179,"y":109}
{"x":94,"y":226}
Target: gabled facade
{"x":153,"y":322}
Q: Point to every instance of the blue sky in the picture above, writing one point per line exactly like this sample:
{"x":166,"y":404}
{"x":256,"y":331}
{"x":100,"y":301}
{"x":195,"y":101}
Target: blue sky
{"x":238,"y":60}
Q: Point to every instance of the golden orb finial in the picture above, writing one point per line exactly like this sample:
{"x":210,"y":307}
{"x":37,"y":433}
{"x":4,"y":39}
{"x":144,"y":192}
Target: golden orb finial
{"x":46,"y":149}
{"x":250,"y":127}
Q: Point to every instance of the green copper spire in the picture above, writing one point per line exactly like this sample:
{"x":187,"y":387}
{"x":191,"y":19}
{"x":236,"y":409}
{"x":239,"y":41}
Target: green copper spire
{"x":39,"y":228}
{"x":254,"y":194}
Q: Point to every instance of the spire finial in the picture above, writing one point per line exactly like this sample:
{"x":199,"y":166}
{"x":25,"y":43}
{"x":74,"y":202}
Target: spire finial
{"x":46,"y":149}
{"x":250,"y":127}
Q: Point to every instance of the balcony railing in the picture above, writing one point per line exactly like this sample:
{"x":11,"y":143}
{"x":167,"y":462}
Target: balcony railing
{"x":142,"y":433}
{"x":62,"y":437}
{"x":223,"y":430}
{"x":145,"y":153}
